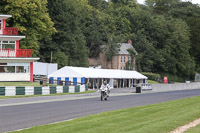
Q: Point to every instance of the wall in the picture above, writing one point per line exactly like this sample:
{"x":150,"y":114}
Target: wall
{"x":15,"y":77}
{"x":28,"y":90}
{"x":40,"y":68}
{"x":174,"y":87}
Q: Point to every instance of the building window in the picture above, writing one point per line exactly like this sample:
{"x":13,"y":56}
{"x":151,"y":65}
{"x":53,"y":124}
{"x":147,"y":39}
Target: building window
{"x":128,"y":58}
{"x":7,"y":44}
{"x":124,"y":58}
{"x":7,"y":69}
{"x":121,"y":58}
{"x":14,"y":67}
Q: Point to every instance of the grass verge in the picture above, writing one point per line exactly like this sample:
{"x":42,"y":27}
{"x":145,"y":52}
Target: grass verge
{"x":19,"y":84}
{"x":22,"y":96}
{"x":35,"y":84}
{"x":194,"y":130}
{"x":152,"y":82}
{"x":155,"y":118}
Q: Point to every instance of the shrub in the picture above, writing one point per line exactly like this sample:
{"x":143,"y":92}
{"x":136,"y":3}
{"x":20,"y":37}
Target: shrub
{"x":172,"y":77}
{"x":151,"y":76}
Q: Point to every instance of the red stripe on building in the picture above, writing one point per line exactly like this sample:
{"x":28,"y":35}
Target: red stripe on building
{"x":17,"y":45}
{"x":4,"y":25}
{"x":31,"y":71}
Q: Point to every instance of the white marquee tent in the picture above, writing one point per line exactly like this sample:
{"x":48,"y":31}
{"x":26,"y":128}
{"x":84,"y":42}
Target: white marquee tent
{"x":79,"y":72}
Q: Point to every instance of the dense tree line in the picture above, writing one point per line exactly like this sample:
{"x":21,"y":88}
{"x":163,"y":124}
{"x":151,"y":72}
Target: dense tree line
{"x":165,"y":33}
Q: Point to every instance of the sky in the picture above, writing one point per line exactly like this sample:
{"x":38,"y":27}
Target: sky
{"x":193,"y":1}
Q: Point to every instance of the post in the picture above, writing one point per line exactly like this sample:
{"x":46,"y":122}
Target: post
{"x":31,"y":71}
{"x":120,"y":84}
{"x":123,"y":83}
{"x":97,"y":83}
{"x":93,"y":84}
{"x":4,"y":26}
{"x":51,"y":56}
{"x":17,"y":48}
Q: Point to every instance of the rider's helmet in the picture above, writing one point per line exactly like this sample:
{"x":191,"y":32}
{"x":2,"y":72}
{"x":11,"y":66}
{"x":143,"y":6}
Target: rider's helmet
{"x":104,"y":82}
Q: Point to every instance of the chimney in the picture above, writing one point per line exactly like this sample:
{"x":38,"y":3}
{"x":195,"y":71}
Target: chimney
{"x":130,"y":41}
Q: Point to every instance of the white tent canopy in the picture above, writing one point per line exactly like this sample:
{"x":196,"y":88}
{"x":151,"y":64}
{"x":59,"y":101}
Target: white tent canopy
{"x":78,"y":72}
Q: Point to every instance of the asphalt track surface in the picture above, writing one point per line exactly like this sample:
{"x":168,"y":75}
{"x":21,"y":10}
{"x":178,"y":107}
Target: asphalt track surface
{"x":17,"y":117}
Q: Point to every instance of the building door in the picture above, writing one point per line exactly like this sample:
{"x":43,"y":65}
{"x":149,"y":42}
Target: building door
{"x":1,"y":26}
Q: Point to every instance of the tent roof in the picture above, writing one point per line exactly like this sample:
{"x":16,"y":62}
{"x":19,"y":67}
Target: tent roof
{"x":69,"y":71}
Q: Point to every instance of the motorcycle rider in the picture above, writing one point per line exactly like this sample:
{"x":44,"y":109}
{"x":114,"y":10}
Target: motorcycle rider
{"x":105,"y":87}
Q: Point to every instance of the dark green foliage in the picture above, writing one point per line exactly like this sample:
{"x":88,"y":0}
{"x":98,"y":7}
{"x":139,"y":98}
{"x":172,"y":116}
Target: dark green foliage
{"x":174,"y":78}
{"x":130,"y":64}
{"x":151,"y":76}
{"x":165,"y":33}
{"x":68,"y":44}
{"x":32,"y":19}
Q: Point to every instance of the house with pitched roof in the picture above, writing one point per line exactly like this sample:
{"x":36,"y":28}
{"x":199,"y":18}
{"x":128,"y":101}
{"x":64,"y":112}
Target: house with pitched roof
{"x":119,"y":61}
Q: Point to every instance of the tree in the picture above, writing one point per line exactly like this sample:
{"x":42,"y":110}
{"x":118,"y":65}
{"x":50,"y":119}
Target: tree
{"x":69,"y":41}
{"x":32,"y":19}
{"x":94,"y":29}
{"x":130,"y":64}
{"x":111,"y":50}
{"x":98,"y":4}
{"x":161,"y":6}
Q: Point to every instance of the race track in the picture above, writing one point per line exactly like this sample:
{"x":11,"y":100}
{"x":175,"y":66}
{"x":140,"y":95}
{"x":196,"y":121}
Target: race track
{"x":15,"y":117}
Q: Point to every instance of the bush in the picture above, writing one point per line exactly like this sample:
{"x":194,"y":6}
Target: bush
{"x":151,"y":76}
{"x":172,"y":77}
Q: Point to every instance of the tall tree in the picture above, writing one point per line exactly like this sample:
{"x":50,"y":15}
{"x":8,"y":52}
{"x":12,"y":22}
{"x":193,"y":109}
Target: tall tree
{"x":111,"y":50}
{"x":69,"y":40}
{"x":32,"y":19}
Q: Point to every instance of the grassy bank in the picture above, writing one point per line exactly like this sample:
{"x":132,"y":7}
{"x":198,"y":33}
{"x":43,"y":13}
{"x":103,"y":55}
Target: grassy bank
{"x":19,"y":84}
{"x":22,"y":96}
{"x":157,"y":118}
{"x":194,"y":130}
{"x":152,"y":82}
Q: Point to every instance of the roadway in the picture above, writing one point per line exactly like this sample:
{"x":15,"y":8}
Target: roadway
{"x":21,"y":113}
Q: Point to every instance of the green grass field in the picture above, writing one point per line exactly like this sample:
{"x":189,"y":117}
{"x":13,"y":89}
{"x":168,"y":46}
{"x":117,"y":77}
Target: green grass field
{"x":156,"y":118}
{"x":152,"y":82}
{"x":194,"y":130}
{"x":19,"y":84}
{"x":21,"y":96}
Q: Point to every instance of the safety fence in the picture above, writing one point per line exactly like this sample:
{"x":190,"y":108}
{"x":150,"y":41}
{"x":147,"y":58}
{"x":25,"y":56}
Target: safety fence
{"x":30,"y":90}
{"x":175,"y":87}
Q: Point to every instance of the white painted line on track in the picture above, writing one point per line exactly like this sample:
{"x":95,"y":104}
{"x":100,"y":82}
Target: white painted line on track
{"x":63,"y":99}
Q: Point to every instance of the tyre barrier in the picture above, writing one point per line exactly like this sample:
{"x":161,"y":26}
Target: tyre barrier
{"x":30,"y":90}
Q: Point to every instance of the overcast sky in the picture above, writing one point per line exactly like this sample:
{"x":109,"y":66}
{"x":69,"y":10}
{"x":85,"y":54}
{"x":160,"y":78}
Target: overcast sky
{"x":193,"y":1}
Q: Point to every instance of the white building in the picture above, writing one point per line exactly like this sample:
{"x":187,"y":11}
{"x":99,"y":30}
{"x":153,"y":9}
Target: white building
{"x":15,"y":64}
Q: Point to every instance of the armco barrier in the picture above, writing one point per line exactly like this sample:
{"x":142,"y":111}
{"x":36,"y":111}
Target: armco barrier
{"x":29,"y":90}
{"x":2,"y":91}
{"x":175,"y":87}
{"x":65,"y":89}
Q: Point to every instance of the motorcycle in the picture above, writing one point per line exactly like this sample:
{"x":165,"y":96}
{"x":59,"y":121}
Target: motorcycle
{"x":104,"y":93}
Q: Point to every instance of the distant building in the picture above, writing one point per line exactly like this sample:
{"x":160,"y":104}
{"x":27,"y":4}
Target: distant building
{"x":15,"y":64}
{"x":118,"y":62}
